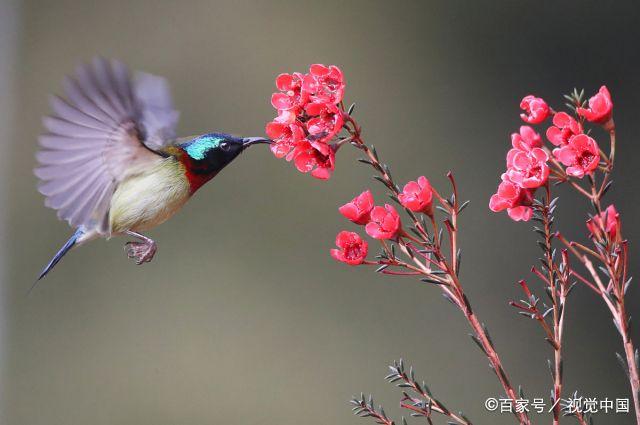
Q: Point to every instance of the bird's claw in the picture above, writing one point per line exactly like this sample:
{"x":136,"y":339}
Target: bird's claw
{"x":140,"y":252}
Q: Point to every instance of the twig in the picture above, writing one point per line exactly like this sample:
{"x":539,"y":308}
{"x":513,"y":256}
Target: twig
{"x":449,"y":265}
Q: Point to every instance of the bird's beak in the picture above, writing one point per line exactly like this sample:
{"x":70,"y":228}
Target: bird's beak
{"x":248,"y":141}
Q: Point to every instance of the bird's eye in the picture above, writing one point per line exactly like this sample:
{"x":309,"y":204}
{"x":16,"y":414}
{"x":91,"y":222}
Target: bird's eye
{"x":225,"y":146}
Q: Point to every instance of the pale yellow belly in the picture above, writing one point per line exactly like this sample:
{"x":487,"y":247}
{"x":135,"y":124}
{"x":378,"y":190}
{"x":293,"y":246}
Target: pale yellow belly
{"x":145,"y":200}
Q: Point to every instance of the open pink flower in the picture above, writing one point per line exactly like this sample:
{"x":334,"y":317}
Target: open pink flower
{"x":527,"y":168}
{"x":514,"y":199}
{"x":352,"y":249}
{"x":607,"y":221}
{"x":600,"y":107}
{"x":564,"y":127}
{"x":580,"y":155}
{"x":384,"y":224}
{"x":324,"y":83}
{"x":307,"y":158}
{"x":526,"y":139}
{"x":291,"y":95}
{"x":417,"y":196}
{"x":285,"y":137}
{"x":359,"y":208}
{"x":327,"y":121}
{"x":535,"y":109}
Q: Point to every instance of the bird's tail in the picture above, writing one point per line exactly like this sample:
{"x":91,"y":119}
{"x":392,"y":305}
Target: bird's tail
{"x":61,"y":253}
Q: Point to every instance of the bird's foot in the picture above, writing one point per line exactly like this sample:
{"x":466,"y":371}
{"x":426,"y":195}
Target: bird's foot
{"x":141,"y":252}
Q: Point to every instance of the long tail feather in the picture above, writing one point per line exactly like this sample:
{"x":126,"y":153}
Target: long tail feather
{"x":61,"y":253}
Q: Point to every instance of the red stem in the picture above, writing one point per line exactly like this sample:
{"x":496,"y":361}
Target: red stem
{"x":453,"y":289}
{"x":616,"y":263}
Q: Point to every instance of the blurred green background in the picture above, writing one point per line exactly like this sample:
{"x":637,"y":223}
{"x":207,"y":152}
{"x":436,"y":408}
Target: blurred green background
{"x":243,"y":318}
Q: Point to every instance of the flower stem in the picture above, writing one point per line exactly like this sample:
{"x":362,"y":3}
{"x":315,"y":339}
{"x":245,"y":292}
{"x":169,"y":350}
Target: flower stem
{"x":615,"y":260}
{"x":558,"y":297}
{"x":453,"y":289}
{"x":494,"y":360}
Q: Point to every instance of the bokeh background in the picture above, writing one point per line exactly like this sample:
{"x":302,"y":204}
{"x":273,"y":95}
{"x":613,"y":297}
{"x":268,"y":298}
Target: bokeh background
{"x":243,"y":318}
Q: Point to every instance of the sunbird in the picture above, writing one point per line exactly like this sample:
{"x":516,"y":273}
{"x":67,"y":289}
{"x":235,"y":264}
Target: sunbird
{"x":110,"y":163}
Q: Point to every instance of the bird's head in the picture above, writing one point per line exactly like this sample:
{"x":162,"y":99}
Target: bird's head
{"x":206,"y":155}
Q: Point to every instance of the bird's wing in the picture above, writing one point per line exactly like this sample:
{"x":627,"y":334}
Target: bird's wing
{"x":109,"y":126}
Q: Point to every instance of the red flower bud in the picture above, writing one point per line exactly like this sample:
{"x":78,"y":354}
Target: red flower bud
{"x":536,"y":110}
{"x":607,"y":221}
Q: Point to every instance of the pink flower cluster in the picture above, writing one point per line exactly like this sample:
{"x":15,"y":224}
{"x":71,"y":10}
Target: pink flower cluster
{"x":309,"y":117}
{"x":381,"y":222}
{"x":528,"y":159}
{"x":527,"y":170}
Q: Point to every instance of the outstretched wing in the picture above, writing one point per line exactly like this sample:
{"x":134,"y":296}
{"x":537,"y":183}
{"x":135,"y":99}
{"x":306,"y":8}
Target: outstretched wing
{"x":108,"y":127}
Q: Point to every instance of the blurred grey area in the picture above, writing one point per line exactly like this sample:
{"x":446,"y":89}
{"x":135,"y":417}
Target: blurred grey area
{"x":243,"y":318}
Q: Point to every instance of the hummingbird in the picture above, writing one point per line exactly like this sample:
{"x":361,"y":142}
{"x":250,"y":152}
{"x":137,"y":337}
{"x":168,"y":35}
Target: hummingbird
{"x":110,"y":163}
